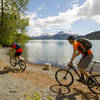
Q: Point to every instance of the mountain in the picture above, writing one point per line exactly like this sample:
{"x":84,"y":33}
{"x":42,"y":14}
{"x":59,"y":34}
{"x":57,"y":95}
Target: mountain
{"x":59,"y":36}
{"x":93,"y":36}
{"x":42,"y":37}
{"x":62,"y":36}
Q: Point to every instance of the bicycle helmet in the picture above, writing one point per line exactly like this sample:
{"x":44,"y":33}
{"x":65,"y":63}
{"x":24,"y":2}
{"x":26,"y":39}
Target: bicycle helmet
{"x":14,"y":42}
{"x":71,"y":37}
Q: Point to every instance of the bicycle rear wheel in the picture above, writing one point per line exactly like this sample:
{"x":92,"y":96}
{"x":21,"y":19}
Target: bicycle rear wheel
{"x":22,"y":64}
{"x":12,"y":62}
{"x":64,"y":77}
{"x":95,"y":86}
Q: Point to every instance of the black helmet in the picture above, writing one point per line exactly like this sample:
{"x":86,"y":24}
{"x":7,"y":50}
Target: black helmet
{"x":14,"y":42}
{"x":71,"y":37}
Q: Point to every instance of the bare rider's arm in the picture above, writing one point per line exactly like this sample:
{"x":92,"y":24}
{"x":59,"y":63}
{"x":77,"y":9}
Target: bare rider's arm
{"x":75,"y":54}
{"x":78,"y":54}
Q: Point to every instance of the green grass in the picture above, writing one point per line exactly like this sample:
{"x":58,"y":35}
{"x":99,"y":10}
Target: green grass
{"x":36,"y":96}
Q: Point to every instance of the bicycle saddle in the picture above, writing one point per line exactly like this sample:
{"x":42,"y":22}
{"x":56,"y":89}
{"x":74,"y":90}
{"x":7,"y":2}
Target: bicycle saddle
{"x":94,"y":61}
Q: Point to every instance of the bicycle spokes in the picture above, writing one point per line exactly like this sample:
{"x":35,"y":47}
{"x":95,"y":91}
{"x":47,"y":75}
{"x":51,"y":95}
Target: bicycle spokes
{"x":21,"y":63}
{"x":64,"y":77}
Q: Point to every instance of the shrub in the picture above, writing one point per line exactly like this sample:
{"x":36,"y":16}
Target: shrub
{"x":36,"y":96}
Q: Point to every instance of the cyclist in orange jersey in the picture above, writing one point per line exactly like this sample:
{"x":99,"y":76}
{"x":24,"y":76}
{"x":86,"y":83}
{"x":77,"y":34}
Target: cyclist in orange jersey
{"x":86,"y":56}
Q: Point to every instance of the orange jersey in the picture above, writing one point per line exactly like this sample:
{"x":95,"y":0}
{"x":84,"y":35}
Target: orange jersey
{"x":77,"y":44}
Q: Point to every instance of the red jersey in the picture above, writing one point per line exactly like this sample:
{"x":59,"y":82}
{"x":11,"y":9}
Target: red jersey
{"x":17,"y":47}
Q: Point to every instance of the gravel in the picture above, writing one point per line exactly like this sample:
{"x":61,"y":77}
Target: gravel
{"x":18,"y":86}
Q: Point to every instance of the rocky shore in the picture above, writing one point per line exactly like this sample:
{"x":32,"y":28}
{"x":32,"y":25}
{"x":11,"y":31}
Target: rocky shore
{"x":17,"y":85}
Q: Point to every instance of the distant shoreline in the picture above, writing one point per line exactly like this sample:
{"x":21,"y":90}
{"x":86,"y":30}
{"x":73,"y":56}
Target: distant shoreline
{"x":58,"y":39}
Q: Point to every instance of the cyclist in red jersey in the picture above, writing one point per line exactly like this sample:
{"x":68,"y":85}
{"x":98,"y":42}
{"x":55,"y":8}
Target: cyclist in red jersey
{"x":18,"y":50}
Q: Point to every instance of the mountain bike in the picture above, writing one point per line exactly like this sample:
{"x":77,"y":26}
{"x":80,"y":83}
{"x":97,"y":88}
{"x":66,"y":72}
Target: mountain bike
{"x":65,"y":78}
{"x":20,"y":62}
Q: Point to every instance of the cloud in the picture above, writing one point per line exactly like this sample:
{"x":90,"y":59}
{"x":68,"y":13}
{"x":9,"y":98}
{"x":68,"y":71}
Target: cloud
{"x":75,"y":1}
{"x":41,"y":7}
{"x":75,"y":5}
{"x":90,"y":9}
{"x":63,"y":21}
{"x":97,"y":18}
{"x":31,"y":15}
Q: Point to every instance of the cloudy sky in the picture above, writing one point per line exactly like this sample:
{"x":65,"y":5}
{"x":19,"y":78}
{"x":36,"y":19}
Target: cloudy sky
{"x":52,"y":16}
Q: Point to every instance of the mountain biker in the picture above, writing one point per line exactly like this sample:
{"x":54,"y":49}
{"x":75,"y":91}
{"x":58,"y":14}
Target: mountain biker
{"x":18,"y":50}
{"x":86,"y":57}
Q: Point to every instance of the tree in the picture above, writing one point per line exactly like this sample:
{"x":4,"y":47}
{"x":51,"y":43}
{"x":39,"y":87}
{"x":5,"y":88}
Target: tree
{"x":11,"y":21}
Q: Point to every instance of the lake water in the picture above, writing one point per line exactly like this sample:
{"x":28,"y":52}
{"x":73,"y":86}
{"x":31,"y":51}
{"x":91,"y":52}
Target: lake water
{"x":56,"y":52}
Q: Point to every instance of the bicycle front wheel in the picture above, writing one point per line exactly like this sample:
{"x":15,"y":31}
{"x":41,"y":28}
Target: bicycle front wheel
{"x":95,"y":86}
{"x":64,"y":77}
{"x":22,"y":64}
{"x":12,"y":62}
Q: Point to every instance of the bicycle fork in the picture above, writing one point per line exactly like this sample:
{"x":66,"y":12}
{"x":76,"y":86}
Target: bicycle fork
{"x":66,"y":73}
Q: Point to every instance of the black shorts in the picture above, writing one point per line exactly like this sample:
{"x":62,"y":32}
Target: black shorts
{"x":18,"y":54}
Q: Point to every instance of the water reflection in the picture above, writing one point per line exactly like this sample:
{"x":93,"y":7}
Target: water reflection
{"x":56,"y":52}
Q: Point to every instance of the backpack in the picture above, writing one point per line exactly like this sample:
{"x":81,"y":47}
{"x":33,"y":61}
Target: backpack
{"x":18,"y":46}
{"x":86,"y":43}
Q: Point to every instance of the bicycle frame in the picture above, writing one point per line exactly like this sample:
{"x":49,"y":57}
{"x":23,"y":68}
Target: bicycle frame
{"x":18,"y":58}
{"x":91,"y":82}
{"x":73,"y":67}
{"x":21,"y":63}
{"x":78,"y":74}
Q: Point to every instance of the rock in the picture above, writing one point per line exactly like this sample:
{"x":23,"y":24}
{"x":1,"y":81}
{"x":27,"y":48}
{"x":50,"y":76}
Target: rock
{"x":47,"y":66}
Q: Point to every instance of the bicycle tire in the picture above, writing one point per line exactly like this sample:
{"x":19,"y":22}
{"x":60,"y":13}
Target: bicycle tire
{"x":96,"y":87}
{"x":12,"y":62}
{"x":22,"y":64}
{"x":68,"y":76}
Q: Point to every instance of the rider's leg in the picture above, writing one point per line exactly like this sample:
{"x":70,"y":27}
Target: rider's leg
{"x":83,"y":64}
{"x":16,"y":58}
{"x":83,"y":72}
{"x":19,"y":55}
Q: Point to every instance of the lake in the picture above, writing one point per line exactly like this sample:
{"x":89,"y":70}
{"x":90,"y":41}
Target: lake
{"x":56,"y":52}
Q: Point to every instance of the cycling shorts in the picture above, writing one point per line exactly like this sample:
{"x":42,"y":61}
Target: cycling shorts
{"x":85,"y":61}
{"x":18,"y":54}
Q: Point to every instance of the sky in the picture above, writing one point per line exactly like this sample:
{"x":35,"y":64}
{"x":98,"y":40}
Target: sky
{"x":51,"y":16}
